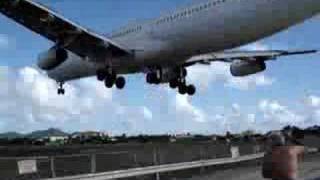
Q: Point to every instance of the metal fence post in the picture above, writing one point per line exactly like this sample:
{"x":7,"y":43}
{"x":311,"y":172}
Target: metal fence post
{"x":155,"y":161}
{"x":93,"y":163}
{"x":135,"y":160}
{"x":202,"y":157}
{"x":53,"y":172}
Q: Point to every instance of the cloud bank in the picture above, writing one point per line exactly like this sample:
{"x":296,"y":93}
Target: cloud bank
{"x":29,"y":101}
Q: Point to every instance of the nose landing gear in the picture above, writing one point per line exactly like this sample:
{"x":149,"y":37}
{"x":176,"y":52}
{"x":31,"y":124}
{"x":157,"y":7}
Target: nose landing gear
{"x":61,"y":90}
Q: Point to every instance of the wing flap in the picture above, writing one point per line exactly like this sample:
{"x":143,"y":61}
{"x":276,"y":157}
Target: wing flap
{"x":229,"y":56}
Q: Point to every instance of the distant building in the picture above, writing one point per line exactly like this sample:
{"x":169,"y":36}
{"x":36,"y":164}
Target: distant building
{"x":57,"y":138}
{"x":53,"y":140}
{"x":214,"y":137}
{"x":89,"y":135}
{"x":172,"y":139}
{"x":183,"y":136}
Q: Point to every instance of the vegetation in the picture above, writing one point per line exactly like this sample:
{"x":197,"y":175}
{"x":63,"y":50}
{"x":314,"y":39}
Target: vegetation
{"x":56,"y":137}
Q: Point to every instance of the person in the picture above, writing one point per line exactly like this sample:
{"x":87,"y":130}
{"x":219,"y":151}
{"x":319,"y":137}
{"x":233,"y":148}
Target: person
{"x":284,"y":151}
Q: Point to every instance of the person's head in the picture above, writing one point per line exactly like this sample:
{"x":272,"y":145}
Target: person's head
{"x":276,"y":138}
{"x":296,"y":135}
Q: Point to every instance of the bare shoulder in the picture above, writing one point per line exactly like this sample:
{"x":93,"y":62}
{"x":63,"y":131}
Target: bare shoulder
{"x":296,"y":149}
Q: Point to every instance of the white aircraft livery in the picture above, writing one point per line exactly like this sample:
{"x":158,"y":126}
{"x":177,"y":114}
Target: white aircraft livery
{"x":164,"y":47}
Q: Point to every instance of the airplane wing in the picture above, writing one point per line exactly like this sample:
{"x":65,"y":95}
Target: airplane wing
{"x":230,"y":56}
{"x":61,"y":31}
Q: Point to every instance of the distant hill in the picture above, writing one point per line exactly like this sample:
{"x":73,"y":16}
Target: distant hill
{"x":11,"y":135}
{"x":46,"y":133}
{"x":34,"y":135}
{"x":315,"y":129}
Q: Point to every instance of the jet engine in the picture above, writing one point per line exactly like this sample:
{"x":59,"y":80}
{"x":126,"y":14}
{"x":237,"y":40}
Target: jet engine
{"x":244,"y":68}
{"x":52,"y":58}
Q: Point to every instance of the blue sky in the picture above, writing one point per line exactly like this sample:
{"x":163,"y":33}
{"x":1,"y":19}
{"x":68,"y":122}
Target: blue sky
{"x":289,"y":89}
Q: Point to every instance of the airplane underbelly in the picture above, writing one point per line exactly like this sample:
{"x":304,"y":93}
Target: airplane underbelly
{"x":75,"y":68}
{"x":236,"y":23}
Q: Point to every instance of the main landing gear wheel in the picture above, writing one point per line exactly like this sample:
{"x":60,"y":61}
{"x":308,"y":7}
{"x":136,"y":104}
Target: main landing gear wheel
{"x":182,"y":89}
{"x":191,"y":90}
{"x":173,"y":84}
{"x":180,"y":82}
{"x":110,"y":78}
{"x":109,"y":81}
{"x":152,"y":78}
{"x":120,"y":82}
{"x":101,"y":75}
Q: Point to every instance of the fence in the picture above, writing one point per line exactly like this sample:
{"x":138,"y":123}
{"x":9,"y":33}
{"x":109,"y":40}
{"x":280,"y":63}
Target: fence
{"x":75,"y":164}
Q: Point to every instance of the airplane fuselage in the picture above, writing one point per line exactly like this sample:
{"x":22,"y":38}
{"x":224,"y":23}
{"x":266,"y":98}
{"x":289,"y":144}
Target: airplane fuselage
{"x":210,"y":26}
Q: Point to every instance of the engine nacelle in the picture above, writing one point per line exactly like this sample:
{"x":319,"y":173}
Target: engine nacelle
{"x":52,"y":58}
{"x":245,"y":68}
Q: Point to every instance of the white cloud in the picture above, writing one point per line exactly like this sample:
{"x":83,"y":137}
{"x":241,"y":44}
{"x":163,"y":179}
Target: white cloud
{"x":250,"y":82}
{"x":236,"y":120}
{"x":29,"y":101}
{"x":147,"y":113}
{"x":312,"y":101}
{"x":220,"y":72}
{"x":275,"y":114}
{"x":203,"y":76}
{"x":4,"y":41}
{"x":185,"y":110}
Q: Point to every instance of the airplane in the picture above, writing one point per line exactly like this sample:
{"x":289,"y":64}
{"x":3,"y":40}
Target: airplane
{"x":162,"y":48}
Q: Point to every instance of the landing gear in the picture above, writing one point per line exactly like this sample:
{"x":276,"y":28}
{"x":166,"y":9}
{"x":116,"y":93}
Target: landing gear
{"x":154,"y":77}
{"x":182,"y":89}
{"x":120,"y":82}
{"x":110,"y":79}
{"x":191,"y":90}
{"x":174,"y":83}
{"x":176,"y":77}
{"x":180,"y":83}
{"x":186,"y":89}
{"x":61,"y":90}
{"x":101,"y":75}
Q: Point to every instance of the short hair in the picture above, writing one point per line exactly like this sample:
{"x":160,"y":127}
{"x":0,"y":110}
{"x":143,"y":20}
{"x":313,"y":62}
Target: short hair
{"x":276,"y":138}
{"x":297,"y":133}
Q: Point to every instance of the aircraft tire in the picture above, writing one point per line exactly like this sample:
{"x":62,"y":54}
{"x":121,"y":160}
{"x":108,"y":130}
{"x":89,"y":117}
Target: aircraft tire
{"x":120,"y":82}
{"x":61,"y":91}
{"x":109,"y":81}
{"x":173,"y":84}
{"x":148,"y":78}
{"x":151,"y":78}
{"x":101,"y":75}
{"x":182,"y":89}
{"x":191,"y":90}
